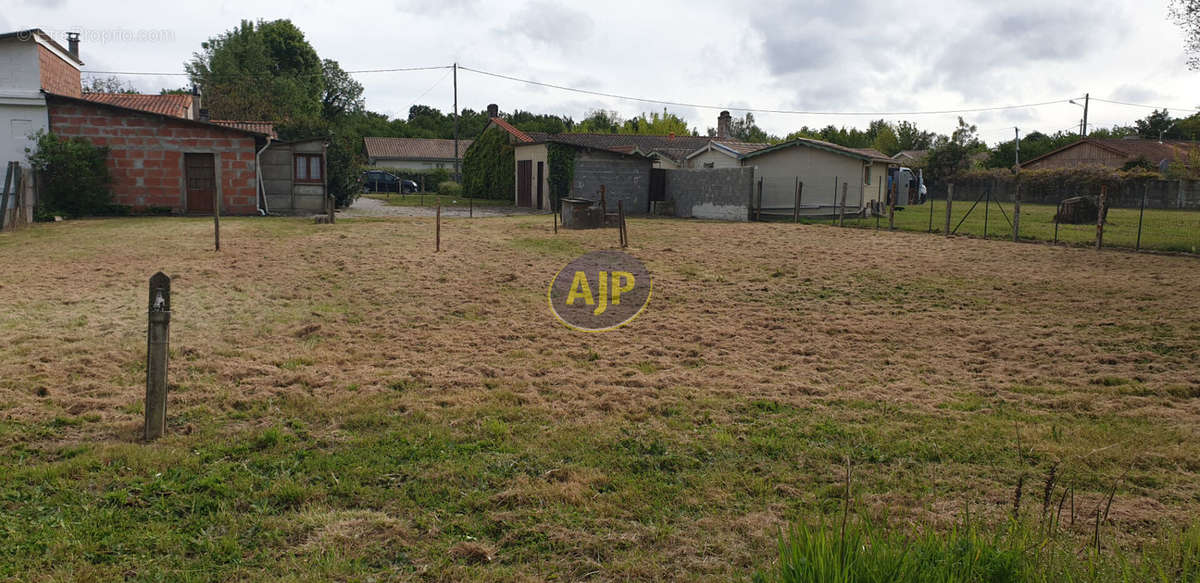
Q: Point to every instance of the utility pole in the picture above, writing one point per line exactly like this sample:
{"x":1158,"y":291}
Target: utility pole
{"x":1086,"y":97}
{"x":457,"y":177}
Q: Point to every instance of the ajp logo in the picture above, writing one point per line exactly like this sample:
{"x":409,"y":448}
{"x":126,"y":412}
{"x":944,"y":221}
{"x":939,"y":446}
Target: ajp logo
{"x":600,"y":291}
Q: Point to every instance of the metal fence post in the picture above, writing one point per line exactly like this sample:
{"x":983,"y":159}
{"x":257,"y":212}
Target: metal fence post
{"x":157,"y":342}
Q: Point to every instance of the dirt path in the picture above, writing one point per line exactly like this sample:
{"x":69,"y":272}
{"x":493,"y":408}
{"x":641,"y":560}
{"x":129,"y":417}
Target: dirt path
{"x":370,"y":207}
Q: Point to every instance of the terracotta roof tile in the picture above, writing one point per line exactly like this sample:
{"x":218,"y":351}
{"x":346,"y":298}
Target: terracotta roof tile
{"x":173,"y":104}
{"x":265,"y":128}
{"x":414,"y":148}
{"x":514,"y":132}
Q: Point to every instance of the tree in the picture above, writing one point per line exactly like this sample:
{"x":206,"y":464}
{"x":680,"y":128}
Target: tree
{"x":1158,"y":123}
{"x":656,"y":125}
{"x":886,"y":141}
{"x":265,"y":71}
{"x":910,"y":137}
{"x":111,"y":84}
{"x":952,"y":154}
{"x":1186,"y":13}
{"x":1033,"y":144}
{"x":342,"y":94}
{"x":744,"y":129}
{"x":599,"y":121}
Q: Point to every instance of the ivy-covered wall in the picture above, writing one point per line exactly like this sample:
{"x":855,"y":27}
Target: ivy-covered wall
{"x":561,"y":160}
{"x":488,"y":167}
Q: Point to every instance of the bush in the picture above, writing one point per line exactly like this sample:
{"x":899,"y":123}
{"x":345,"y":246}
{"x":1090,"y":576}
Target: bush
{"x":449,"y":188}
{"x":75,"y":181}
{"x":488,"y":167}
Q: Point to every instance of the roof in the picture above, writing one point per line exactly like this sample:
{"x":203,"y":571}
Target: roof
{"x":414,"y":148}
{"x":260,"y":127}
{"x":1153,"y":150}
{"x":55,"y":96}
{"x":731,"y":148}
{"x":514,"y":132}
{"x":911,"y":154}
{"x":28,"y":34}
{"x":865,"y":154}
{"x":172,"y":104}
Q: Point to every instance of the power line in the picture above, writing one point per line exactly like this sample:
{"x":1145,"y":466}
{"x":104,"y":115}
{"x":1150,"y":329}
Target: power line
{"x":1144,"y":105}
{"x":755,"y":109}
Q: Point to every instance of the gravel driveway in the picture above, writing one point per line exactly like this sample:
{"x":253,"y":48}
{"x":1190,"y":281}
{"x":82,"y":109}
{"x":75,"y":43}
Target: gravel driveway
{"x":369,"y":207}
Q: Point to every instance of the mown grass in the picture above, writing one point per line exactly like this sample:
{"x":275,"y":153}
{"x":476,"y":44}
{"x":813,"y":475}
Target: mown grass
{"x":1162,"y":230}
{"x":432,"y":199}
{"x":348,"y":404}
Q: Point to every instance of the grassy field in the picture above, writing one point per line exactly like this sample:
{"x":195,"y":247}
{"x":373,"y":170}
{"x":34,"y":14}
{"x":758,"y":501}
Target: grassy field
{"x":1162,"y":230}
{"x":348,"y":405}
{"x":432,"y":199}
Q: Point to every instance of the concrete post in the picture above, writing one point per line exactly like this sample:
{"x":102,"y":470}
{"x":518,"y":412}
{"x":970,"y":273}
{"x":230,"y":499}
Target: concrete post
{"x":157,"y":344}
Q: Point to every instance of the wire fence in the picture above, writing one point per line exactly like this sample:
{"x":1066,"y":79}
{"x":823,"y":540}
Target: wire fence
{"x":1091,"y":217}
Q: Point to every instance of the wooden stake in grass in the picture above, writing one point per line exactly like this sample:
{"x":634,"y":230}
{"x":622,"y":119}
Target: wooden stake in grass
{"x":438,"y":241}
{"x":1100,"y":216}
{"x":621,"y":224}
{"x":216,"y":222}
{"x":555,"y":213}
{"x":1017,"y":211}
{"x":796,"y":207}
{"x":892,"y":206}
{"x":157,"y":342}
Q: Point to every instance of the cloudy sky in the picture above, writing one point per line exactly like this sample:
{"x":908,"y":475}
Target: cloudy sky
{"x":811,"y":56}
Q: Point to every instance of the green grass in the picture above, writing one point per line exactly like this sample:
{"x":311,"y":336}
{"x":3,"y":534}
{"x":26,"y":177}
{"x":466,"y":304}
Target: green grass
{"x":432,"y":199}
{"x":1162,"y":230}
{"x":1017,"y":552}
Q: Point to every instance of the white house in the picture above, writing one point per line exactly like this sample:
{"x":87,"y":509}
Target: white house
{"x":31,"y":61}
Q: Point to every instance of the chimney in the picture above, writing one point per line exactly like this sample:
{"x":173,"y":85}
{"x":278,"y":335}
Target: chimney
{"x":203,"y":115}
{"x":197,"y":103}
{"x":493,"y":110}
{"x":723,"y":123}
{"x":73,"y":44}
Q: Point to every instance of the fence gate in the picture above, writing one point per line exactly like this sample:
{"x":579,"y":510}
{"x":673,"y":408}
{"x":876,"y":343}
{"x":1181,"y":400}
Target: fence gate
{"x":658,"y":186}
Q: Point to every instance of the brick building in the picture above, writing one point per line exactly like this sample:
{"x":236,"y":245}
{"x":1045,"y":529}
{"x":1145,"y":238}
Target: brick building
{"x":163,"y":161}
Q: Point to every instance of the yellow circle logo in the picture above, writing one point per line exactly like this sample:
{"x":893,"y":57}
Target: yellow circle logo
{"x":600,"y":291}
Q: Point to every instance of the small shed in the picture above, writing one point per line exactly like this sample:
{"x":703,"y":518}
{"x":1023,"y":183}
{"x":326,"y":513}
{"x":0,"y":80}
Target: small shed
{"x":295,"y":178}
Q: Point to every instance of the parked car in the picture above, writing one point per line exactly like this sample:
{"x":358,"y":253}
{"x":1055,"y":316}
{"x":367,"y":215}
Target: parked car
{"x":408,"y":186}
{"x":380,"y":181}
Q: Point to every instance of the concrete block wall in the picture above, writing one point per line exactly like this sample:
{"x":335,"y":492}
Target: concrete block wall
{"x":712,"y":193}
{"x":625,"y":178}
{"x":146,"y":154}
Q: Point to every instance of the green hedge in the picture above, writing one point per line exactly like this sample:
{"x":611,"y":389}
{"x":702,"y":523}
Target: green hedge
{"x":75,"y":181}
{"x":561,"y":160}
{"x":1083,"y":179}
{"x":489,"y":167}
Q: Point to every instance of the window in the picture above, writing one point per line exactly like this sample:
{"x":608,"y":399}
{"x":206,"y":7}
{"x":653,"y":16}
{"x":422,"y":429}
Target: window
{"x":308,"y":167}
{"x":867,"y":174}
{"x":709,"y":165}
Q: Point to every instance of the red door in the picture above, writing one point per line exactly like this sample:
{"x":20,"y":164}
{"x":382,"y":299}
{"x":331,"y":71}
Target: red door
{"x":201,"y":179}
{"x":524,"y":177}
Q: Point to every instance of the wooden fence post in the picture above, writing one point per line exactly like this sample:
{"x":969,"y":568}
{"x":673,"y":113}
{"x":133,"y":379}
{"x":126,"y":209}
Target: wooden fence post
{"x":1017,"y":211}
{"x":1100,"y":216}
{"x":438,"y":241}
{"x":842,"y":206}
{"x":157,"y":343}
{"x":892,"y":205}
{"x":758,"y":205}
{"x":949,"y":203}
{"x":1141,"y":215}
{"x":796,"y":206}
{"x":332,"y":202}
{"x":216,"y":221}
{"x":621,"y":223}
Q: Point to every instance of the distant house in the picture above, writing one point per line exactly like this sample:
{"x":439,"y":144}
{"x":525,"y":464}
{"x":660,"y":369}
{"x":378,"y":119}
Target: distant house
{"x":909,"y":157}
{"x":31,"y":62}
{"x":623,"y":160}
{"x":413,"y":153}
{"x":824,"y":170}
{"x":1113,"y":153}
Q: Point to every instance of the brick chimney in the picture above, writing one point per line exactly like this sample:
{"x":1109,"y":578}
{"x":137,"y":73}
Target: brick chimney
{"x":493,"y":110}
{"x":73,"y":44}
{"x":724,"y":121}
